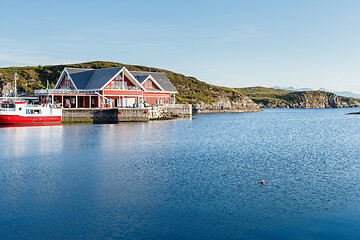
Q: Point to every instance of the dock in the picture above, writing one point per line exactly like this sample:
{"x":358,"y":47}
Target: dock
{"x":116,"y":115}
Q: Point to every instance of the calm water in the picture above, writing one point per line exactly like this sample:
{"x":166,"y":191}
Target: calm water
{"x":185,"y":179}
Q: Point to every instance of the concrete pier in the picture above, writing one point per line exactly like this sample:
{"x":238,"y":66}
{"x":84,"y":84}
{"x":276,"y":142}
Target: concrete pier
{"x":115,"y":115}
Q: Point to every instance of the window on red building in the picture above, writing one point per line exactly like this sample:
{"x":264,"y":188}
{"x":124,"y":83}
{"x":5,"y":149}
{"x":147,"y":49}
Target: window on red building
{"x":148,"y":84}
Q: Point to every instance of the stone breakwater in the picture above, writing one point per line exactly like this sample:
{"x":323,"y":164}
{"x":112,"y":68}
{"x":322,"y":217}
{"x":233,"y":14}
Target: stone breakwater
{"x":225,"y":105}
{"x":170,"y":112}
{"x":115,"y":115}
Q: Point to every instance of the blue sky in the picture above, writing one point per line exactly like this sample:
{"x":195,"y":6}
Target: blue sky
{"x":240,"y":43}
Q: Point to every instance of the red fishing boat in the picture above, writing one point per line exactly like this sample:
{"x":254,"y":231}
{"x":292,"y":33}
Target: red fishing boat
{"x":14,"y":112}
{"x":20,"y":113}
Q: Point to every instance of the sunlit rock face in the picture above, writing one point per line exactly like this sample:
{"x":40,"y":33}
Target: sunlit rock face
{"x":243,"y":104}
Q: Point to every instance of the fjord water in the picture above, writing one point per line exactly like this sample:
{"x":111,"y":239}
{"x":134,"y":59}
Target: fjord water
{"x":185,"y":179}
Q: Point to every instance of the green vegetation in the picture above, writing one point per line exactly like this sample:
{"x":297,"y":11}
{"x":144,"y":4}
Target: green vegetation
{"x":267,"y":95}
{"x":190,"y":89}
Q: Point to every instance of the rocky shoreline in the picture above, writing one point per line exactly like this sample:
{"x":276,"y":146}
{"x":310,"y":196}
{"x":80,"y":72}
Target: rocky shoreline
{"x":303,"y":101}
{"x":314,"y":100}
{"x":224,"y":105}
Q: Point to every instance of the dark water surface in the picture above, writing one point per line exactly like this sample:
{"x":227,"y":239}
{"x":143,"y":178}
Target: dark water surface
{"x":185,"y":179}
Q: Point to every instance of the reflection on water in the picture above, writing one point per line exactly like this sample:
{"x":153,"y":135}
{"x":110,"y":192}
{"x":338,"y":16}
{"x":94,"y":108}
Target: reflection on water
{"x":185,"y":179}
{"x":23,"y":141}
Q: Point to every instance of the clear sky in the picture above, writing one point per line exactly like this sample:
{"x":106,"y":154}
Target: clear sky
{"x":307,"y":43}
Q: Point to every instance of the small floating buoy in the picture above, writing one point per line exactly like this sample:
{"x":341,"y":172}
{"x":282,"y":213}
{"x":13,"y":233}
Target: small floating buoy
{"x":262,"y":182}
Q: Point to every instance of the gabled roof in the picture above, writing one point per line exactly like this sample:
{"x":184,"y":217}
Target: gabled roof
{"x":84,"y":78}
{"x":101,"y":76}
{"x":80,"y":76}
{"x":160,"y":78}
{"x":141,"y":78}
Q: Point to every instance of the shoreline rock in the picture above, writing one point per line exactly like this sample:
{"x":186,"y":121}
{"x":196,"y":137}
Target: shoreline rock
{"x":224,"y":105}
{"x":313,"y":100}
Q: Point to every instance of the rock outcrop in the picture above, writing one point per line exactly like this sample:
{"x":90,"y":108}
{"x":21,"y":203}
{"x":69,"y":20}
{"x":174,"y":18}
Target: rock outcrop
{"x":314,"y":99}
{"x":243,"y":104}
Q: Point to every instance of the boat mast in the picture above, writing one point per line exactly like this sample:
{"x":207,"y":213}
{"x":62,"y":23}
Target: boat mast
{"x":47,"y":89}
{"x":15,"y":88}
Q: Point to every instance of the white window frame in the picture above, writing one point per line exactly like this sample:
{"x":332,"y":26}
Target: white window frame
{"x":67,"y":84}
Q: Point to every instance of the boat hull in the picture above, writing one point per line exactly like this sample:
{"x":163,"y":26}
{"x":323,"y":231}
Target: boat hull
{"x":30,"y":121}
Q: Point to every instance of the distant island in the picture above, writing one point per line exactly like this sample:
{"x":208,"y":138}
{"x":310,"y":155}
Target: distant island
{"x":343,"y":93}
{"x":203,"y":96}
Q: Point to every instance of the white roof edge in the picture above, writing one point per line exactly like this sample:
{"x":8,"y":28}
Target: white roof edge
{"x":65,"y":71}
{"x":58,"y":81}
{"x":134,"y":78}
{"x":157,"y":84}
{"x":112,"y":78}
{"x":71,"y":79}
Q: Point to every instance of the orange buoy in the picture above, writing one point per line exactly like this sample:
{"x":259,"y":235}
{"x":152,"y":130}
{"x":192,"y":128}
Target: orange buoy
{"x":262,"y":182}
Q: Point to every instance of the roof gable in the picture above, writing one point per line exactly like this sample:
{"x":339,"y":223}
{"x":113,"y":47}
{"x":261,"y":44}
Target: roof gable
{"x":80,"y":76}
{"x":101,"y":76}
{"x":160,"y":78}
{"x":141,"y":78}
{"x":87,"y":79}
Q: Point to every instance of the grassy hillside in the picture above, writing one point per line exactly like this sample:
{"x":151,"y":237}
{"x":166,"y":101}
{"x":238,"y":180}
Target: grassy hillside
{"x":267,"y":95}
{"x":270,"y":96}
{"x":191,"y":90}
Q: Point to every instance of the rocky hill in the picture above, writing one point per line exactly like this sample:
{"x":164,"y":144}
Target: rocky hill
{"x":203,"y":96}
{"x":279,"y":98}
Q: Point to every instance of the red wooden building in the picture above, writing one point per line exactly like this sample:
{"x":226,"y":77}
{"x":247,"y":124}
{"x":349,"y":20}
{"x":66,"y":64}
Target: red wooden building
{"x":110,"y":87}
